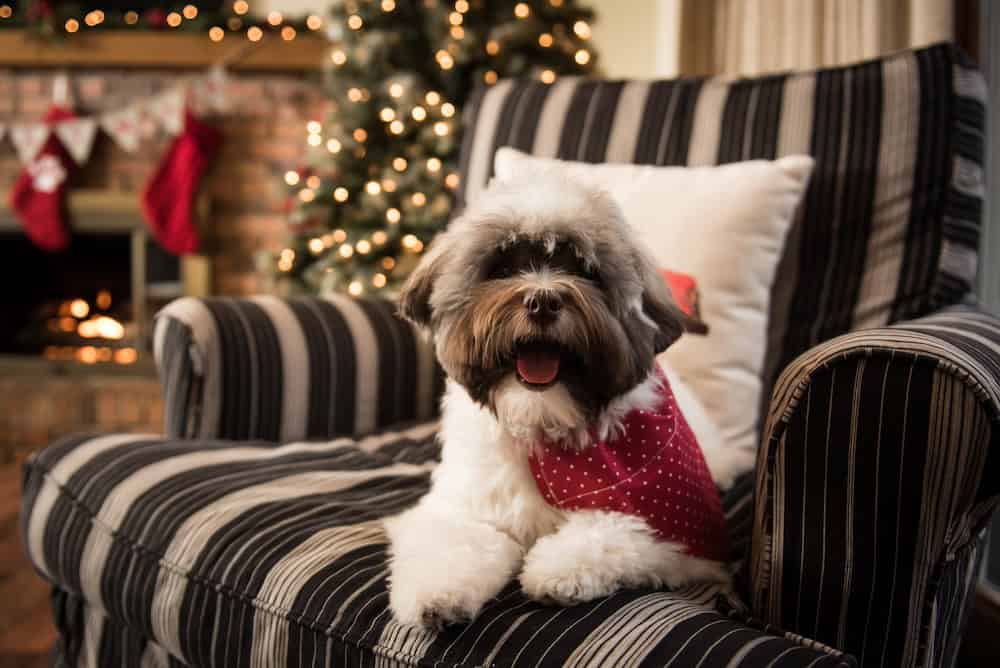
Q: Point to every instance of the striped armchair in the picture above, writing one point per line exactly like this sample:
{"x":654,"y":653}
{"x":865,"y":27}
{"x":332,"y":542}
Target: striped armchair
{"x":246,"y":537}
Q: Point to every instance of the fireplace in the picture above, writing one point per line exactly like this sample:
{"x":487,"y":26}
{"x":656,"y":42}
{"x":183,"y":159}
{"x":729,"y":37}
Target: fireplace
{"x":90,"y":304}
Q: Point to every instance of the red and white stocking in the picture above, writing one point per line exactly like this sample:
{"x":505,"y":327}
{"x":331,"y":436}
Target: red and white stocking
{"x":38,"y":197}
{"x":168,"y":200}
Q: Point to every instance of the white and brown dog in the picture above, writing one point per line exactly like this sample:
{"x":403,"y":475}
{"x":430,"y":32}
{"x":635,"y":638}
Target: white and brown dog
{"x":547,"y":317}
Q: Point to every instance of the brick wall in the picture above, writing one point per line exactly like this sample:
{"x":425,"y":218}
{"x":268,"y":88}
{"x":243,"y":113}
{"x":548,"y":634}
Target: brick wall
{"x":264,"y":133}
{"x":39,"y":407}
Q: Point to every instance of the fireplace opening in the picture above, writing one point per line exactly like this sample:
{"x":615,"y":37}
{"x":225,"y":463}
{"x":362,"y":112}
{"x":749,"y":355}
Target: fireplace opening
{"x":77,"y":305}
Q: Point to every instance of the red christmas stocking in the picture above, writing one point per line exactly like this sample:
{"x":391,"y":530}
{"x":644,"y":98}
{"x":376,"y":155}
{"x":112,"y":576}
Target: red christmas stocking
{"x":168,"y":200}
{"x":39,"y":194}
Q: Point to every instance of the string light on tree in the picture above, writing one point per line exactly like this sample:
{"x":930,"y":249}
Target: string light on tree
{"x":385,"y":171}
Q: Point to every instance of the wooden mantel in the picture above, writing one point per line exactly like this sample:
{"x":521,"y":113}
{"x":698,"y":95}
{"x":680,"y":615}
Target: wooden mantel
{"x":133,"y":48}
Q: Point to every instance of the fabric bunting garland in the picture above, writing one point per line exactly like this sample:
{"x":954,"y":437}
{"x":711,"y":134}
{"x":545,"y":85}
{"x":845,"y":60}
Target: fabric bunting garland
{"x":165,"y":111}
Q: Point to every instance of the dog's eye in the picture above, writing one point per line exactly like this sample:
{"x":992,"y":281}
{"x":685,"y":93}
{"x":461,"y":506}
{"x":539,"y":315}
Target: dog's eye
{"x":500,"y":270}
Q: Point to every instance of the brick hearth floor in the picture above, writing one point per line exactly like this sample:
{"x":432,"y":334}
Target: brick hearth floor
{"x":26,"y":630}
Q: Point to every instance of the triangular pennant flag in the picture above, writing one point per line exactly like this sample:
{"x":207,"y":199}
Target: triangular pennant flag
{"x":124,"y":127}
{"x":28,"y":139}
{"x":77,"y":137}
{"x":168,"y":109}
{"x":208,"y":94}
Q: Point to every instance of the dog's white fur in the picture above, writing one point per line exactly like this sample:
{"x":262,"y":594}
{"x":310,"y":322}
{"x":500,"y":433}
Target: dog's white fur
{"x":484,"y":521}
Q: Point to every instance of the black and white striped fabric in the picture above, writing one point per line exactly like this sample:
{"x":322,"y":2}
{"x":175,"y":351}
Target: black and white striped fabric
{"x":889,"y":226}
{"x":281,"y":370}
{"x":878,"y":475}
{"x":179,"y":552}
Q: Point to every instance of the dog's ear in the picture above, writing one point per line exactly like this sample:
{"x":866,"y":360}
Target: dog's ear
{"x":415,"y":297}
{"x":658,"y":306}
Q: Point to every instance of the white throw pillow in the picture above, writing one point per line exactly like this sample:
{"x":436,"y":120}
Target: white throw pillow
{"x":726,"y":227}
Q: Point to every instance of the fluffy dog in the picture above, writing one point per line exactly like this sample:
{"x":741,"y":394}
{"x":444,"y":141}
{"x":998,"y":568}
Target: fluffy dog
{"x":547,"y":316}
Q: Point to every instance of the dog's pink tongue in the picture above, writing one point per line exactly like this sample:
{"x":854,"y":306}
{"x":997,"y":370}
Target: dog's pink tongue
{"x":538,"y":367}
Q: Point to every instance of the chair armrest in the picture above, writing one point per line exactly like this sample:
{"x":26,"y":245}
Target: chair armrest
{"x":879,"y":469}
{"x":289,"y":369}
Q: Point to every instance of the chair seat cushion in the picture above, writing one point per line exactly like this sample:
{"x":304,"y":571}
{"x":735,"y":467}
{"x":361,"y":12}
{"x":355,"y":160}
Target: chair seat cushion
{"x":216,"y":553}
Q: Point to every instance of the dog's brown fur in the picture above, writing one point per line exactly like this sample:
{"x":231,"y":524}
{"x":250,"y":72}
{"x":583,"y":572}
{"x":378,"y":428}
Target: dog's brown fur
{"x":617,"y":312}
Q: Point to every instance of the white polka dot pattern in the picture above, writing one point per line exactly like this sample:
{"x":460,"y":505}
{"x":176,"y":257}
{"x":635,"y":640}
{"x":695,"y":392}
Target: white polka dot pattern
{"x":654,"y":470}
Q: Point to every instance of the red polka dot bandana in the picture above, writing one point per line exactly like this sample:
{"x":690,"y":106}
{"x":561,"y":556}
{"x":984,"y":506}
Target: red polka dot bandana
{"x":654,"y":470}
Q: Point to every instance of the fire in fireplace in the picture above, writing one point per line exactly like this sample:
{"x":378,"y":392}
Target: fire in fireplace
{"x":73,"y":305}
{"x":87,"y":331}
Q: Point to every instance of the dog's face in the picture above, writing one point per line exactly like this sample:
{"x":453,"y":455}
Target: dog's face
{"x":540,"y":287}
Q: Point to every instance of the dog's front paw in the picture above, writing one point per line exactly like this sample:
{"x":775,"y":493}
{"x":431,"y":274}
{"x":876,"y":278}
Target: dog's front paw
{"x":444,"y":569}
{"x":565,"y":587}
{"x":431,"y":609}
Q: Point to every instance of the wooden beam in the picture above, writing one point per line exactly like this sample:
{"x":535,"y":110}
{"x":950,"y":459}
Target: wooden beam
{"x":134,"y":48}
{"x":93,"y":211}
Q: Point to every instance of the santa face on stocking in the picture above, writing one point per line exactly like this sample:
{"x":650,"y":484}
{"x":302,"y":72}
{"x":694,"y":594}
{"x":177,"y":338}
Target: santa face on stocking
{"x":47,"y":174}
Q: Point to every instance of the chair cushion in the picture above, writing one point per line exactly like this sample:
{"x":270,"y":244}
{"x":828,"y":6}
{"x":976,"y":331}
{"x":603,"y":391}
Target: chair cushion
{"x":251,"y":554}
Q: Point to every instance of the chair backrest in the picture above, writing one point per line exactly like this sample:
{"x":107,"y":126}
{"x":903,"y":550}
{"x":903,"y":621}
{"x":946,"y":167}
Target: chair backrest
{"x":889,"y":228}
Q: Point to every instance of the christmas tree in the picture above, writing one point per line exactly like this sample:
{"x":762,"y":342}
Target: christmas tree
{"x":381,"y":171}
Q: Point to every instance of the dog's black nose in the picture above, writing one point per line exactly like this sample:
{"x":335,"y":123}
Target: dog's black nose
{"x":543,"y":307}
